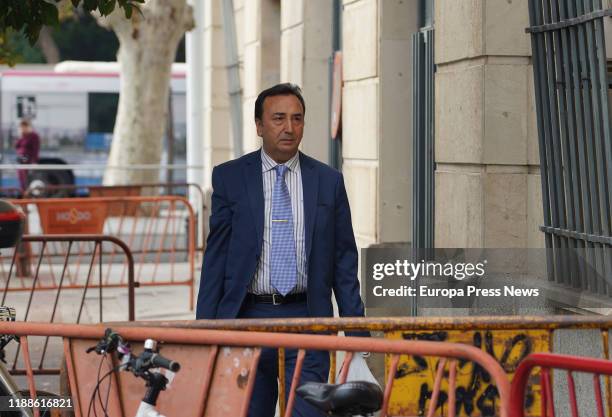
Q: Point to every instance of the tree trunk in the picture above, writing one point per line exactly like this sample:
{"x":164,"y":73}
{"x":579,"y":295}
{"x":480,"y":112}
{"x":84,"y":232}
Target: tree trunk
{"x":48,"y":46}
{"x":148,"y":44}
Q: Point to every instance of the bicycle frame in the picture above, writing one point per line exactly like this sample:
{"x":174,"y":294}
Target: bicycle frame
{"x":147,"y":410}
{"x":9,"y":388}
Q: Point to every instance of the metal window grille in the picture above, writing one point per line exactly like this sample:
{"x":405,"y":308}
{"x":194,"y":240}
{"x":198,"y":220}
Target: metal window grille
{"x":423,"y":138}
{"x":571,"y":89}
{"x":335,"y":145}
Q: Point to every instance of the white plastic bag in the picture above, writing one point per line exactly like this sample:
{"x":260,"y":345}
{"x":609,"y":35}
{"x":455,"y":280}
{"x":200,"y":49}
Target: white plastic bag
{"x":359,"y":370}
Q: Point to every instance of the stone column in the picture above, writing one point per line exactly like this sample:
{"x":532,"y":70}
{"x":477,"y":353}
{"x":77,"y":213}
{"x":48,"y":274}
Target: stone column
{"x":487,"y":181}
{"x":194,"y":45}
{"x":377,"y":117}
{"x":217,"y":128}
{"x":306,"y":46}
{"x":261,"y":43}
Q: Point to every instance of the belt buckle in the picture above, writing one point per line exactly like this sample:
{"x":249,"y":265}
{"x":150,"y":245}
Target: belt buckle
{"x":277,"y":303}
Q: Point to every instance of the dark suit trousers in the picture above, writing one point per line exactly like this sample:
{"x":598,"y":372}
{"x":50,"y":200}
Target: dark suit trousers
{"x":265,"y":391}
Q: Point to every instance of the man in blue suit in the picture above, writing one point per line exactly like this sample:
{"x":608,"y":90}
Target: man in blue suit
{"x":280,"y":241}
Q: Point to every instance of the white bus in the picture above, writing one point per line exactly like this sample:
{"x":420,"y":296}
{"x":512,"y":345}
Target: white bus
{"x":73,"y":106}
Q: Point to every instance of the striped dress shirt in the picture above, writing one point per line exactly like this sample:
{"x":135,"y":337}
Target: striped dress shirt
{"x":293,"y":178}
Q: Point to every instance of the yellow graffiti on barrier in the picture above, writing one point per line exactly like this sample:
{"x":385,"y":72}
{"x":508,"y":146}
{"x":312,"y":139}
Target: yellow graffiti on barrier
{"x":475,"y":396}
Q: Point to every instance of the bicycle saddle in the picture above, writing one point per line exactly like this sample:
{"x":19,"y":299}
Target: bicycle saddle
{"x":350,"y":398}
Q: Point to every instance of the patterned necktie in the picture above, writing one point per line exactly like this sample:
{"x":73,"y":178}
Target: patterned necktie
{"x":283,"y":262}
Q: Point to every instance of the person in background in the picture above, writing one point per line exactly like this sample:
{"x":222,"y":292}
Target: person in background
{"x":27,"y":147}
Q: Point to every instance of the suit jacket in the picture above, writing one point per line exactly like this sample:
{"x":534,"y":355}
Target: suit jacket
{"x":236,"y":231}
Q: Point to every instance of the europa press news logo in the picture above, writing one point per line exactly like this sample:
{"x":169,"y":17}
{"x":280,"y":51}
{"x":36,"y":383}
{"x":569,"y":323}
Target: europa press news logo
{"x":73,"y":216}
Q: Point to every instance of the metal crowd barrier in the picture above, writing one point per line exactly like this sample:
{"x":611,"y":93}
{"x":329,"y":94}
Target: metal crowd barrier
{"x":183,"y":189}
{"x":547,"y":362}
{"x":213,"y":390}
{"x":63,"y":292}
{"x":160,"y":232}
{"x":219,"y":367}
{"x":508,"y":339}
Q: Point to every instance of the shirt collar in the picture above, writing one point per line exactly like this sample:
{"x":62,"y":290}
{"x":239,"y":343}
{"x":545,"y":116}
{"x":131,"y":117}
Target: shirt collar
{"x":267,"y":163}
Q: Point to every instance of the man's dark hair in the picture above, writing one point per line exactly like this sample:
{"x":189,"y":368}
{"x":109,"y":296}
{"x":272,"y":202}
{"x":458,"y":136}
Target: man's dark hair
{"x":284,"y":89}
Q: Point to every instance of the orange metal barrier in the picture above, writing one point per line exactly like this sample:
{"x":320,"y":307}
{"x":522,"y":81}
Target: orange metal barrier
{"x":158,"y":189}
{"x":509,"y":339}
{"x":160,"y":232}
{"x":219,"y":367}
{"x":61,"y":290}
{"x":69,"y":274}
{"x":548,"y":361}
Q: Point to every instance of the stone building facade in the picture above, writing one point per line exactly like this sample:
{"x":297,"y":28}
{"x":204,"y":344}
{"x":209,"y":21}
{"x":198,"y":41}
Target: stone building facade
{"x":487,"y":179}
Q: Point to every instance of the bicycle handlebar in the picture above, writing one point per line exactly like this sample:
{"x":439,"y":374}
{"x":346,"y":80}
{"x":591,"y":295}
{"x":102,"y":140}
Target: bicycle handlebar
{"x":109,"y":343}
{"x":149,"y":359}
{"x":159,"y":361}
{"x":138,"y":365}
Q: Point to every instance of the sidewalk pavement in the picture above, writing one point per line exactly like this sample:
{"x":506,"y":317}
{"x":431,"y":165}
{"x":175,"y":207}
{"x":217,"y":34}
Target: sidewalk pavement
{"x":151,"y":303}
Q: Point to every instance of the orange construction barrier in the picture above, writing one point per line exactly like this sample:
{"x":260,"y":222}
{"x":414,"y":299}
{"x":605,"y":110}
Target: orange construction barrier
{"x":548,"y":361}
{"x":508,"y":339}
{"x":183,"y":189}
{"x":219,"y":367}
{"x":78,"y":270}
{"x":67,"y":290}
{"x":160,"y":232}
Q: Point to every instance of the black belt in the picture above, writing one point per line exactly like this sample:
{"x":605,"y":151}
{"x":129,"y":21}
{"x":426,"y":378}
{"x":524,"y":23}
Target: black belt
{"x":276,"y":299}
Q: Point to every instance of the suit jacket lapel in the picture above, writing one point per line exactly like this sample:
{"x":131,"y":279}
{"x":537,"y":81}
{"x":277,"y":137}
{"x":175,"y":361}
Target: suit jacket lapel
{"x":254,"y":185}
{"x":310,"y":187}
